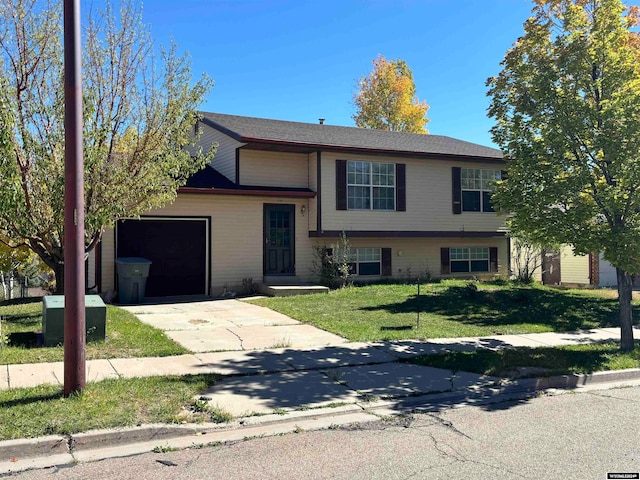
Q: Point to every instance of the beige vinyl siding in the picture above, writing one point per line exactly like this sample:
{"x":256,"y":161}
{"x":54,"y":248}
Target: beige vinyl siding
{"x":411,"y":257}
{"x":274,"y":169}
{"x":236,"y":237}
{"x":312,"y":158}
{"x":108,"y":260}
{"x":224,"y":159}
{"x":429,"y":199}
{"x":91,"y":269}
{"x":574,"y":269}
{"x":313,"y":185}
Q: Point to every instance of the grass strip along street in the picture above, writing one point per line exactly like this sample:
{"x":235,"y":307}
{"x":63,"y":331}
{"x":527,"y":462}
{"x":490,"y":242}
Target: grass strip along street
{"x":43,"y":410}
{"x":537,"y":362}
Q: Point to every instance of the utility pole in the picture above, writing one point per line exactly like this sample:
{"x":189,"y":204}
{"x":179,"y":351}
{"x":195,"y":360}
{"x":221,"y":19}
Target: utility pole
{"x":74,"y":307}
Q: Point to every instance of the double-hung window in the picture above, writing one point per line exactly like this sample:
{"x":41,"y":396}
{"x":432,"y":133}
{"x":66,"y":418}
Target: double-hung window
{"x":363,"y":261}
{"x":473,"y":259}
{"x":371,"y":186}
{"x":477,"y":186}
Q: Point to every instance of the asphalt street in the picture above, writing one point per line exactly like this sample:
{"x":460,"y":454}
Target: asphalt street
{"x":569,"y":436}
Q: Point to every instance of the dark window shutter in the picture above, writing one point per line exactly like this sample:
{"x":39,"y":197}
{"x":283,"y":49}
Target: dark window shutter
{"x":493,"y":259}
{"x":444,"y":261}
{"x":386,"y":262}
{"x":456,"y":183}
{"x":341,"y":184}
{"x":401,"y":187}
{"x":503,"y":174}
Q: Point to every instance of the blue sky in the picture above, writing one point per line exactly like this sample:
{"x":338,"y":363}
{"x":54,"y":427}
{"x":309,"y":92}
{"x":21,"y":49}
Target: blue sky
{"x":300,"y":60}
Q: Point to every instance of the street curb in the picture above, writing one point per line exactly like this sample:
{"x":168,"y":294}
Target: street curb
{"x":49,"y":445}
{"x":572,"y":381}
{"x":23,"y":454}
{"x":145,"y":433}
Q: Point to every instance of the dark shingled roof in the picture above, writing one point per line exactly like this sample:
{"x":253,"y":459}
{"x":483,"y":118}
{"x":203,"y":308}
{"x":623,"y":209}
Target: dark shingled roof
{"x":262,"y":130}
{"x":209,"y":178}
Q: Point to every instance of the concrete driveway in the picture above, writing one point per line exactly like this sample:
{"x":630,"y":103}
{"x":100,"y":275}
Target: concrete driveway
{"x":223,"y":325}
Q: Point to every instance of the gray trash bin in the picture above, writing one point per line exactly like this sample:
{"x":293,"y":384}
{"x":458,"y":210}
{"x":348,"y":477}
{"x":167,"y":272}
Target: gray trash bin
{"x":132,"y":279}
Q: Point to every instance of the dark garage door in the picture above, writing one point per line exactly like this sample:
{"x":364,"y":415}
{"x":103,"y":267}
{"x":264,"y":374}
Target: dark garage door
{"x":177,"y":248}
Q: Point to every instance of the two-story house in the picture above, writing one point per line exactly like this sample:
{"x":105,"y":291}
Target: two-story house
{"x":408,"y":203}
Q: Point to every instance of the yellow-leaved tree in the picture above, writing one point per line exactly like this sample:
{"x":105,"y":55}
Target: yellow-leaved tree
{"x":386,"y":99}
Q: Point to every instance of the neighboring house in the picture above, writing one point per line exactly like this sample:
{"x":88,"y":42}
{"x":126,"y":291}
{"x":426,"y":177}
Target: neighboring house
{"x":408,"y":203}
{"x":566,"y":268}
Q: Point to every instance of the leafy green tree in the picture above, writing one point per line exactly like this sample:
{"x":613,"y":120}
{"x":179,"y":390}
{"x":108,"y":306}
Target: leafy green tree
{"x":386,"y":99}
{"x":139,"y":115}
{"x":566,"y":106}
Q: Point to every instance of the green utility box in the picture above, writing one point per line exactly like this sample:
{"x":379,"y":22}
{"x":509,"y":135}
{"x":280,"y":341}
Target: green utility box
{"x":53,"y":319}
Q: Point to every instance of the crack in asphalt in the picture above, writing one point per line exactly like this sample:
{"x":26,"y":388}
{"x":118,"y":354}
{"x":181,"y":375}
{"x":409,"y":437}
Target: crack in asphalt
{"x":447,"y":424}
{"x":420,"y":473}
{"x":436,"y":444}
{"x":456,"y":455}
{"x":602,"y":395}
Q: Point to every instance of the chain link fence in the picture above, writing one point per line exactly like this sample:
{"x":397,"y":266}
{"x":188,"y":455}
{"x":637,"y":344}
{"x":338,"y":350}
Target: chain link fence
{"x":22,"y":288}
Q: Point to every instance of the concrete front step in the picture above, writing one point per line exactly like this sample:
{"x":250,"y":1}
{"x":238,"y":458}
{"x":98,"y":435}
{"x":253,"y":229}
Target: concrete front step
{"x":289,"y":290}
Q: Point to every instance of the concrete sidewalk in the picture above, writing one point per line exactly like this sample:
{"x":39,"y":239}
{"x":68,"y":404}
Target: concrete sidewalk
{"x":280,"y":380}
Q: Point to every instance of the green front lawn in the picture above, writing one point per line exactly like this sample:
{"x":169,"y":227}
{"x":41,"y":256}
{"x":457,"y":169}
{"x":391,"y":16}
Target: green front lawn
{"x":126,"y":336}
{"x":452,"y":308}
{"x":547,"y":361}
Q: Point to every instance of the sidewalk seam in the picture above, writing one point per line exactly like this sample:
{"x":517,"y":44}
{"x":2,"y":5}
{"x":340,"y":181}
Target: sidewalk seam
{"x":114,"y":368}
{"x":527,"y":336}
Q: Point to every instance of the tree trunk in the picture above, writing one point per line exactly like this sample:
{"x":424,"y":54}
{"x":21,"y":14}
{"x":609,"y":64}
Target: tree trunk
{"x":11,"y":277}
{"x":5,"y":295}
{"x":58,"y":271}
{"x":625,"y":289}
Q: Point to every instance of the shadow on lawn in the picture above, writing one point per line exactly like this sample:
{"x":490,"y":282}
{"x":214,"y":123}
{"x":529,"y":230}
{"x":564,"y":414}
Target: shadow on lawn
{"x":34,"y":398}
{"x":560,"y":310}
{"x":23,"y":319}
{"x":20,"y":301}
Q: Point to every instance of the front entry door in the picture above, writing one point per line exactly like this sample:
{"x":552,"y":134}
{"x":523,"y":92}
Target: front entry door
{"x":279,"y":234}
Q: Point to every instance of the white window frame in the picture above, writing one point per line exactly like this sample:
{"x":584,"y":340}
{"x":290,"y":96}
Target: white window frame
{"x":363,"y":255}
{"x":469,"y":255}
{"x":480,"y":181}
{"x":371,"y":184}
